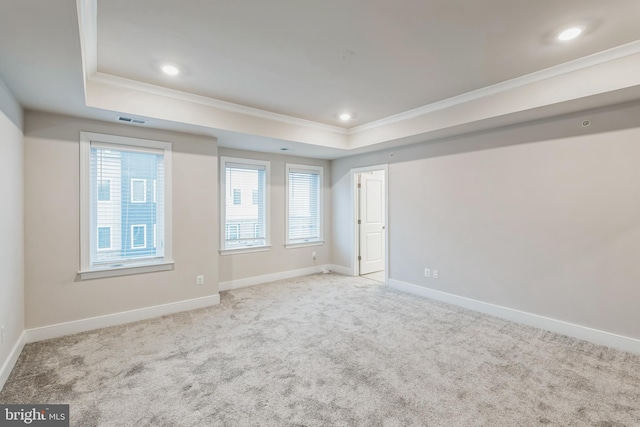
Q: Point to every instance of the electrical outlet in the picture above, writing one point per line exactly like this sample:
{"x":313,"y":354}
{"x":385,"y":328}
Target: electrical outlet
{"x":200,"y":280}
{"x":427,"y":272}
{"x":313,"y":255}
{"x":435,"y":274}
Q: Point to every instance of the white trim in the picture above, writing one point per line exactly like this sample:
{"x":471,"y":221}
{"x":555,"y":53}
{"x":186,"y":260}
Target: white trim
{"x":304,"y":244}
{"x":347,"y":271}
{"x":10,"y":363}
{"x":547,"y":73}
{"x":245,"y":250}
{"x":239,"y":162}
{"x":288,"y":167}
{"x":596,"y":336}
{"x":89,"y":324}
{"x":125,"y":270}
{"x":267,"y":278}
{"x":355,"y":270}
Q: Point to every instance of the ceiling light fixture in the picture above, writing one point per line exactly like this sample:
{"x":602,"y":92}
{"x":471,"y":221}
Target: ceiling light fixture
{"x":569,"y":34}
{"x":345,"y":116}
{"x":170,"y":70}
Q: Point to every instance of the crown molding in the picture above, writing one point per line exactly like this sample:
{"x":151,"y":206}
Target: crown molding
{"x":87,"y":18}
{"x":88,"y":26}
{"x":557,"y":70}
{"x":110,"y":79}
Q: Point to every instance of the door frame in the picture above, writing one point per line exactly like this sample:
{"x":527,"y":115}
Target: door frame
{"x":354,"y":217}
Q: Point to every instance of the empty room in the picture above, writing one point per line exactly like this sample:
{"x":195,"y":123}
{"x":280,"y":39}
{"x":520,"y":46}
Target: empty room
{"x":295,"y":213}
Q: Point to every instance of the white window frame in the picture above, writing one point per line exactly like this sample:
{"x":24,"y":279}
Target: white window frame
{"x":144,"y":232}
{"x":133,"y":267}
{"x":144,"y":191}
{"x":310,"y":168}
{"x":223,"y":201}
{"x":110,"y":238}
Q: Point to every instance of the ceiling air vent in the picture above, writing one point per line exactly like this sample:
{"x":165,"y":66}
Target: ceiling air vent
{"x":131,"y":120}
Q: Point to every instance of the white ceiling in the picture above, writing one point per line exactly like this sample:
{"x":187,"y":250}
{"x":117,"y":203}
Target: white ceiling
{"x":265,"y":75}
{"x":285,"y":55}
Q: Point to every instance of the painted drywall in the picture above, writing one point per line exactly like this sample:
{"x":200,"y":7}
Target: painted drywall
{"x":543,"y":218}
{"x":11,"y":223}
{"x":54,"y":293}
{"x":278,"y":258}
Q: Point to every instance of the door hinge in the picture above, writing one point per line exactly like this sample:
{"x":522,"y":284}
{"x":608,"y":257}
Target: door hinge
{"x":359,"y":185}
{"x":359,"y":258}
{"x":359,"y":222}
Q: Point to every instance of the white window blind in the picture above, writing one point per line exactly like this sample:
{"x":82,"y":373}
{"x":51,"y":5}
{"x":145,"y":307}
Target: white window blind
{"x":244,"y":211}
{"x":304,"y":204}
{"x":125,"y":187}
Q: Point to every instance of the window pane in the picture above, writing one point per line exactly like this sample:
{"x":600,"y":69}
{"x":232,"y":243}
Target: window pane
{"x":245,"y":224}
{"x":138,"y":238}
{"x":125,"y":227}
{"x":104,"y":190}
{"x":138,"y":190}
{"x":104,"y":237}
{"x":304,"y":206}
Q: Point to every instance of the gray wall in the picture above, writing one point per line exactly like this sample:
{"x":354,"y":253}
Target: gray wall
{"x":52,"y":228}
{"x":11,"y":222}
{"x":543,"y":218}
{"x":279,"y":258}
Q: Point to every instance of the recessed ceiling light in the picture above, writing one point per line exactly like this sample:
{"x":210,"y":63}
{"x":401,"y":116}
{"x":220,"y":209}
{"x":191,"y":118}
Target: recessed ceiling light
{"x":170,"y":70}
{"x":345,"y":116}
{"x":569,"y":34}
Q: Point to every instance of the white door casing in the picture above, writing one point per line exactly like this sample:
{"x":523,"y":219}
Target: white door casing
{"x":371,"y":221}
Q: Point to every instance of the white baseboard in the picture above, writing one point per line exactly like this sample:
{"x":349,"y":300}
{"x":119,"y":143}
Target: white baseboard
{"x":266,"y":278}
{"x":347,"y":271}
{"x":595,"y":336}
{"x":83,"y":325}
{"x":8,"y":365}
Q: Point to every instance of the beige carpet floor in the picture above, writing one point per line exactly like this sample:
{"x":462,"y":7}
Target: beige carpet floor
{"x":328,"y":350}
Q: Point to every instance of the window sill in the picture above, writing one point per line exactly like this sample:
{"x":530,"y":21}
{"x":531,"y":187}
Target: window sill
{"x":245,"y":250}
{"x":125,"y":270}
{"x":304,"y":244}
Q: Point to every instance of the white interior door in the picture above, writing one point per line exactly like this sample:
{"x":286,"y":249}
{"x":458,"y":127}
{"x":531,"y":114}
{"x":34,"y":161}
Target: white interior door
{"x":371,"y":221}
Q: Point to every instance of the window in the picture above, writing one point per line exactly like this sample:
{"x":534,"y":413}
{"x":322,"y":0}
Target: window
{"x":138,"y":190}
{"x":120,"y":232}
{"x":104,"y":238}
{"x":244,"y":225}
{"x":304,"y":204}
{"x":138,"y":236}
{"x":233,"y":231}
{"x":104,"y":190}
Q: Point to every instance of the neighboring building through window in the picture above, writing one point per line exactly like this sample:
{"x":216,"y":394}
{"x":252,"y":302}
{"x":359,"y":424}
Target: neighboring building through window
{"x":104,"y":190}
{"x":122,"y":225}
{"x":244,"y":219}
{"x":304,"y":204}
{"x":139,"y":236}
{"x":104,"y":238}
{"x":138,"y":190}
